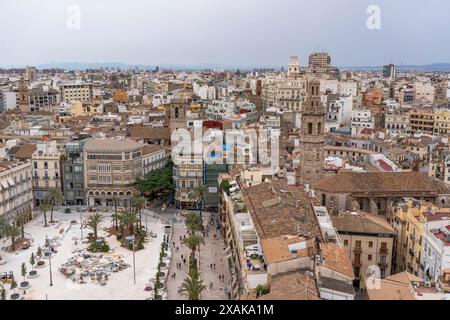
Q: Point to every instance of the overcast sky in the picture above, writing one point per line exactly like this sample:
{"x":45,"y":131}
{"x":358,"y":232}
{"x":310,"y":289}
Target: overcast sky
{"x":224,"y":32}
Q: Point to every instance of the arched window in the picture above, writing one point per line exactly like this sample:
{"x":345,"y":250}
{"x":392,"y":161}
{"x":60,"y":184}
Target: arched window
{"x":319,"y":128}
{"x":309,"y":128}
{"x":176,"y":112}
{"x":324,"y":199}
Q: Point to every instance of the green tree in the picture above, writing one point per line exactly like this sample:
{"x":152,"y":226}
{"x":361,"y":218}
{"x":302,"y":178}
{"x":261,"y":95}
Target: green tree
{"x":24,"y":271}
{"x":158,"y":183}
{"x":192,"y":287}
{"x":13,"y":233}
{"x":3,"y":226}
{"x":193,"y":222}
{"x":13,"y":285}
{"x":21,"y":220}
{"x":128,"y":219}
{"x":45,"y":206}
{"x":115,"y":216}
{"x":138,"y":204}
{"x":193,"y":242}
{"x":199,"y":195}
{"x":32,"y":261}
{"x":94,"y":222}
{"x":39,"y":252}
{"x":225,"y":186}
{"x":55,"y":198}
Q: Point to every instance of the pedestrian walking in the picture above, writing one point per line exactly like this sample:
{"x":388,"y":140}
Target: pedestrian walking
{"x":181,"y":256}
{"x":214,"y":266}
{"x":210,"y":266}
{"x":184,"y":260}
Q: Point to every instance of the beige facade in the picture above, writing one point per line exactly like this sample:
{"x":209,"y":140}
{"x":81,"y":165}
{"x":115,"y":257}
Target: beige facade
{"x":409,"y":223}
{"x":312,"y":137}
{"x":111,"y":168}
{"x":368,"y":241}
{"x":188,"y":175}
{"x":77,"y":92}
{"x":16,"y":195}
{"x":46,"y":170}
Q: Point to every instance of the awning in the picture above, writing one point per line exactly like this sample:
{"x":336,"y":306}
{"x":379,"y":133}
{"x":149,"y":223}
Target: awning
{"x":5,"y":185}
{"x":11,"y":182}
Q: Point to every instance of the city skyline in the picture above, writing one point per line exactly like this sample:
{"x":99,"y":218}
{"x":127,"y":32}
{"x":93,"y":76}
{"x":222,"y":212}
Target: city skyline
{"x":193,"y":34}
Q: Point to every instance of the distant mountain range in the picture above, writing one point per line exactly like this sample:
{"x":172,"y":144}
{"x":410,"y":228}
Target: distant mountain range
{"x":438,"y":67}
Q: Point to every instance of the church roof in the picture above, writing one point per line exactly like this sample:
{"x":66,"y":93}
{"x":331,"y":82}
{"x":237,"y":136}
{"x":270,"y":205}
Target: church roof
{"x":380,"y":182}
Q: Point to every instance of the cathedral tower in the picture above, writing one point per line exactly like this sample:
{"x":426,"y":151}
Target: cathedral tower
{"x":312,"y":138}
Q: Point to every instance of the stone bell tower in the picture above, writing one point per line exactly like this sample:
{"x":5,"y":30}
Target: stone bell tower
{"x":312,"y":138}
{"x":176,"y":113}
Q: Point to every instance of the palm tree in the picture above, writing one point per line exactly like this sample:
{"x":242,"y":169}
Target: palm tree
{"x":115,"y":216}
{"x":45,"y":206}
{"x":12,"y":232}
{"x":94,"y":222}
{"x":193,"y":222}
{"x":129,"y":218}
{"x":138,"y":203}
{"x":199,"y":195}
{"x":193,"y":242}
{"x":3,"y":227}
{"x":192,"y":287}
{"x":55,"y":198}
{"x":21,"y":219}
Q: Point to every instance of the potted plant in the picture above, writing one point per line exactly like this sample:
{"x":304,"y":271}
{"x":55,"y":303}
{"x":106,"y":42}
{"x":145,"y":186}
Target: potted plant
{"x":39,"y":253}
{"x":24,"y":284}
{"x":32,"y":273}
{"x":14,"y":296}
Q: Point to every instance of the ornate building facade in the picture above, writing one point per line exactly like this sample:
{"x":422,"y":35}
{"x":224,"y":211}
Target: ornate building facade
{"x":111,"y":168}
{"x":312,"y":138}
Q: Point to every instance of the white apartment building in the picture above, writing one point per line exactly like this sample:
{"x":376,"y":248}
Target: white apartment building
{"x":219,"y":108}
{"x":340,"y":111}
{"x":16,"y":195}
{"x":8,"y":101}
{"x":362,"y":119}
{"x":424,"y":92}
{"x":153,"y":158}
{"x":205,"y":92}
{"x":397,"y":123}
{"x":436,"y":249}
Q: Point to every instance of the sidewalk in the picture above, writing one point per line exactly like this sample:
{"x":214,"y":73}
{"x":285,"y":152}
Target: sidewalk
{"x":211,"y":253}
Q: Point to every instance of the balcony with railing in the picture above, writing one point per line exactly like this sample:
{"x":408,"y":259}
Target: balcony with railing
{"x":383,"y":264}
{"x":357,"y":250}
{"x":384,"y":251}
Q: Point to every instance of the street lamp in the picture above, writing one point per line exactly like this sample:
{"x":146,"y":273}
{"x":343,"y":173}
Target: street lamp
{"x":50,"y":264}
{"x":132,"y":239}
